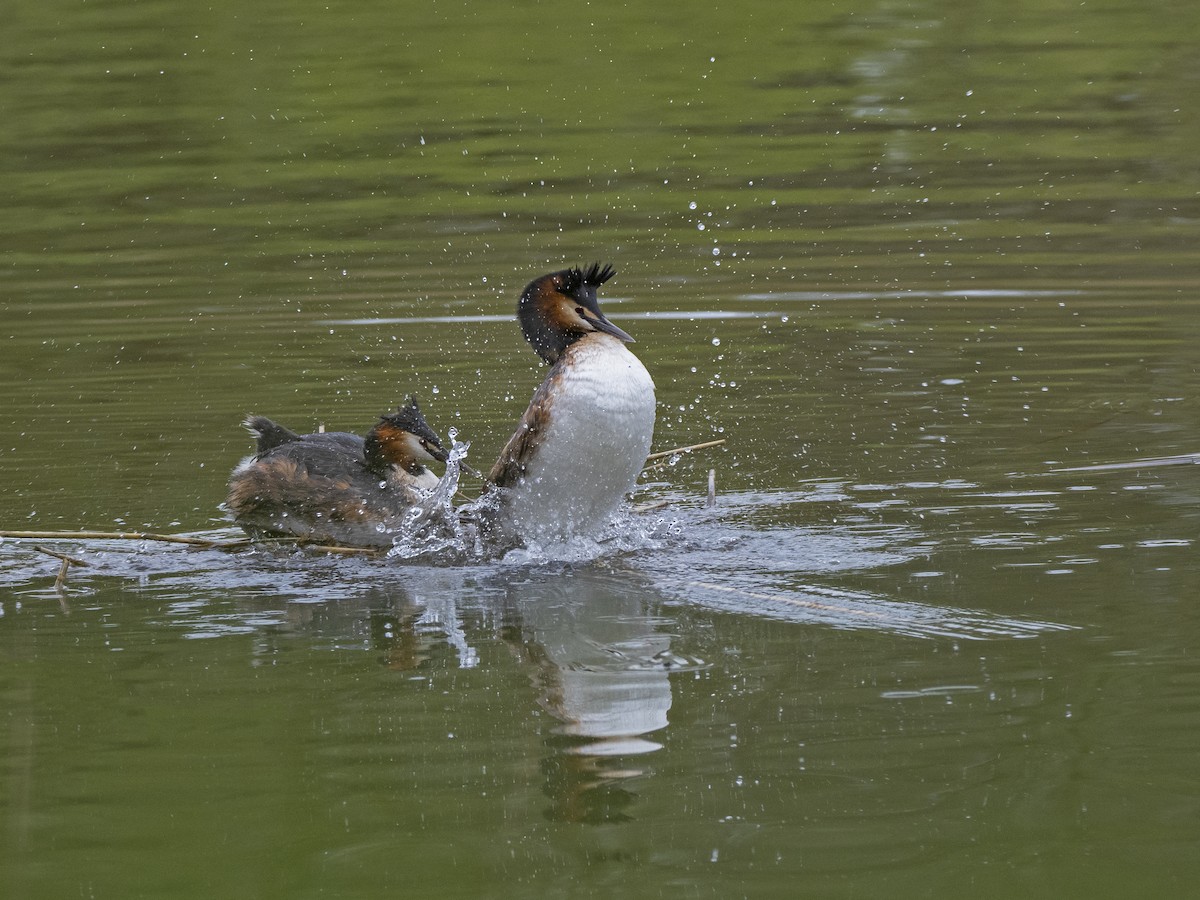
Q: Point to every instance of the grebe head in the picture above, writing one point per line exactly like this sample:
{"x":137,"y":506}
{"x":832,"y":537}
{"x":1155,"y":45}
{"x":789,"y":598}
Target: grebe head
{"x":403,"y":439}
{"x":558,"y":309}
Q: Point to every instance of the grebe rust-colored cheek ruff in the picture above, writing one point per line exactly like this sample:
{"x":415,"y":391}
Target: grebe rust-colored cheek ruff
{"x":404,"y":440}
{"x":335,"y":487}
{"x":558,"y":309}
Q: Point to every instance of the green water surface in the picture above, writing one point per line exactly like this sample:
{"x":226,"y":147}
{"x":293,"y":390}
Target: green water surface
{"x":930,"y":268}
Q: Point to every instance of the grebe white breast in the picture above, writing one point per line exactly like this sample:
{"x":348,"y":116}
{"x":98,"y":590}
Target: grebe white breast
{"x":584,"y":438}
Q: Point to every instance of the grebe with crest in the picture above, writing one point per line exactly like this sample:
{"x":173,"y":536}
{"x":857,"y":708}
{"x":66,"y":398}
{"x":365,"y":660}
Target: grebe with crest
{"x":335,"y":487}
{"x":584,"y":438}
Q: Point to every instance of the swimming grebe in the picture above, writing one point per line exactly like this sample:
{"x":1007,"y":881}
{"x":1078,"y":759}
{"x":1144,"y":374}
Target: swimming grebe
{"x":335,"y":487}
{"x":584,"y":438}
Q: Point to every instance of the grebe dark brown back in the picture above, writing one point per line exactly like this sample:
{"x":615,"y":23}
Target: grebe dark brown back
{"x":335,"y":487}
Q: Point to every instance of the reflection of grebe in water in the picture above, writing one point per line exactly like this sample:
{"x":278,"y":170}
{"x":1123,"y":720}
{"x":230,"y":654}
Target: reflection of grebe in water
{"x":587,"y":676}
{"x":595,"y":651}
{"x":335,"y":487}
{"x":600,"y":661}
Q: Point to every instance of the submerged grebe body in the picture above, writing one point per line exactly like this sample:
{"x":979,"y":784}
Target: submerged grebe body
{"x":335,"y":487}
{"x":584,"y":438}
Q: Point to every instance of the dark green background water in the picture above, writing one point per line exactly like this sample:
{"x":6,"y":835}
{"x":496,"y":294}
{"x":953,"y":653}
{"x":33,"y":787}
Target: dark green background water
{"x":908,"y":258}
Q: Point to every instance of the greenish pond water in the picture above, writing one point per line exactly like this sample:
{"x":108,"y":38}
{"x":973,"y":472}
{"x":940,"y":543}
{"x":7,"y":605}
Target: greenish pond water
{"x":930,"y":269}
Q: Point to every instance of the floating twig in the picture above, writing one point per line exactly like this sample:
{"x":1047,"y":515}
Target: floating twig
{"x":665,"y":453}
{"x":67,"y":561}
{"x":656,"y":461}
{"x":338,"y":548}
{"x":128,"y":536}
{"x":206,"y":543}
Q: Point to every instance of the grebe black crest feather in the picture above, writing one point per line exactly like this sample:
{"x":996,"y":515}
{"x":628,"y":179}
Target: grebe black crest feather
{"x":594,"y":276}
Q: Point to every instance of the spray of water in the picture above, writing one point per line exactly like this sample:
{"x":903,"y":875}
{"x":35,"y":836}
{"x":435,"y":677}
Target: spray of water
{"x":435,"y":530}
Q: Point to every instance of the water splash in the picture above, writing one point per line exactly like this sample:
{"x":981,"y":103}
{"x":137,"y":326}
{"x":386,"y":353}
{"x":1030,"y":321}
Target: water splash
{"x":434,"y":528}
{"x":770,"y":555}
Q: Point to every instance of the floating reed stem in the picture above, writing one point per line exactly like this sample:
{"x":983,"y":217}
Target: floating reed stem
{"x":658,"y":460}
{"x":342,"y":549}
{"x":205,"y":543}
{"x":67,"y":561}
{"x":665,"y":453}
{"x":126,"y":536}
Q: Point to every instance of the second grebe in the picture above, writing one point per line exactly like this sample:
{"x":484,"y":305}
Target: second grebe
{"x":335,"y":487}
{"x":583,"y":440}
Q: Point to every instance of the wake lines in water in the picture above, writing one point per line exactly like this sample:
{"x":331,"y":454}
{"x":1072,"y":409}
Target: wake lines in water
{"x":859,"y":610}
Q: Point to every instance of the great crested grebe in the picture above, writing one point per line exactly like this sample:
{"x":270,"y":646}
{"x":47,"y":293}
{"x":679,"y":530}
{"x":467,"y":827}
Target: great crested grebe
{"x":335,"y":487}
{"x":584,"y":438}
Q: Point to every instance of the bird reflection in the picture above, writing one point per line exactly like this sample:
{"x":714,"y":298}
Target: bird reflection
{"x":599,"y":661}
{"x":587,"y":639}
